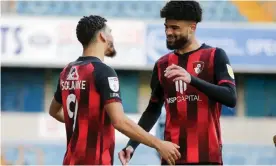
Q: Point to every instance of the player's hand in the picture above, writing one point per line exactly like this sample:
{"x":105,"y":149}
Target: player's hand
{"x":125,"y":155}
{"x":169,"y":152}
{"x":178,"y":73}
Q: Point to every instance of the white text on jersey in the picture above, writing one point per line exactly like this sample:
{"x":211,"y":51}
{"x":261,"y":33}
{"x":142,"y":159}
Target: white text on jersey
{"x":72,"y":85}
{"x":183,"y":98}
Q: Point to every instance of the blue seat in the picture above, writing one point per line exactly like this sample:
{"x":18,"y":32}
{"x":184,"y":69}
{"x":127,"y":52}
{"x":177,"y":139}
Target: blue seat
{"x":213,"y":10}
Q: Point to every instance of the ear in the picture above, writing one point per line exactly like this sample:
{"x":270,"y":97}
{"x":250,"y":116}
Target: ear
{"x":102,"y":36}
{"x":193,"y":27}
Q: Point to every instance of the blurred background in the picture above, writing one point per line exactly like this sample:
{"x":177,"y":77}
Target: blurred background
{"x":38,"y":39}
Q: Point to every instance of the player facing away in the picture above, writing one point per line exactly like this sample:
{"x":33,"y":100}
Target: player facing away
{"x":89,"y":93}
{"x":194,"y":81}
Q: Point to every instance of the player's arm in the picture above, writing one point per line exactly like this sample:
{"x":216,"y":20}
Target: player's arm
{"x":224,"y":91}
{"x":153,"y":110}
{"x":107,"y":84}
{"x":55,"y":108}
{"x":167,"y":150}
{"x":128,"y":127}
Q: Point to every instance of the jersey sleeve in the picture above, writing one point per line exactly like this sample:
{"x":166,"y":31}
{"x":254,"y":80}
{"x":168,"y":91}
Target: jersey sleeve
{"x":157,"y":93}
{"x":223,"y":69}
{"x":58,"y":96}
{"x":107,"y":84}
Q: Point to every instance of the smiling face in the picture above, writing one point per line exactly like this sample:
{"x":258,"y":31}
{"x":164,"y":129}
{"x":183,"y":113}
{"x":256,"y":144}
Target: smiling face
{"x":178,"y":33}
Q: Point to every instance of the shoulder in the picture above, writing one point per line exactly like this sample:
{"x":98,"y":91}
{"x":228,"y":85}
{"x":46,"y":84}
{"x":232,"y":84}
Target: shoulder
{"x":164,"y":58}
{"x":208,"y":47}
{"x":220,"y":51}
{"x":220,"y":54}
{"x":101,"y":70}
{"x":65,"y":70}
{"x":102,"y":66}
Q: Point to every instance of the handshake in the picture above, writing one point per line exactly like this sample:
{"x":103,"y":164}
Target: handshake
{"x":168,"y":151}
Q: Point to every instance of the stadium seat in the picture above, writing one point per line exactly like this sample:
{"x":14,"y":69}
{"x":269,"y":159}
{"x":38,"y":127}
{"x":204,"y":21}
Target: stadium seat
{"x":213,"y":10}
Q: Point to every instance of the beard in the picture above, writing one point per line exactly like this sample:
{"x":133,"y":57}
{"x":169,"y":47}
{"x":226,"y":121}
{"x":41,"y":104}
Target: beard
{"x":177,"y":43}
{"x":110,"y":52}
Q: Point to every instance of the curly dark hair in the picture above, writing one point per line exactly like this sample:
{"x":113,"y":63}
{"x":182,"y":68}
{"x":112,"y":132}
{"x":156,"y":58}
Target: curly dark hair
{"x":87,"y":28}
{"x":182,"y":10}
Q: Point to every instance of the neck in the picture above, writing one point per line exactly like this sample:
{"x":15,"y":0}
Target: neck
{"x":193,"y":45}
{"x":95,"y":51}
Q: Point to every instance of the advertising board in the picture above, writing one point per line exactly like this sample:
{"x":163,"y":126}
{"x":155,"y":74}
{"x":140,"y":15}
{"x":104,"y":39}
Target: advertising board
{"x":250,"y":47}
{"x":52,"y":42}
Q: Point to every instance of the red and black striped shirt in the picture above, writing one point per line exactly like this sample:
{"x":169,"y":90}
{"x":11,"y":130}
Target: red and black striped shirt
{"x":84,"y":87}
{"x":192,"y":119}
{"x":192,"y":110}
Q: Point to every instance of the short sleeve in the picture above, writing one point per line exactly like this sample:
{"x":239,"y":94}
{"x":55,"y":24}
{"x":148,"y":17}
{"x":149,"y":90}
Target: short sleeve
{"x":157,"y":93}
{"x":58,"y":96}
{"x":223,"y":69}
{"x":107,"y":83}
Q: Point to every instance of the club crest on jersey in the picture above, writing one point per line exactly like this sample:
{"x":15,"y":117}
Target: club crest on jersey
{"x":198,"y":66}
{"x":113,"y":83}
{"x":73,"y":74}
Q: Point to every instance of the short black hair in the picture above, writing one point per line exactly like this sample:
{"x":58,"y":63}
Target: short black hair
{"x":87,"y":28}
{"x":182,"y":10}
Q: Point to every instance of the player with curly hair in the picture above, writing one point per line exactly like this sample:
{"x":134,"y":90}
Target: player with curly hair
{"x":89,"y":93}
{"x":193,"y":81}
